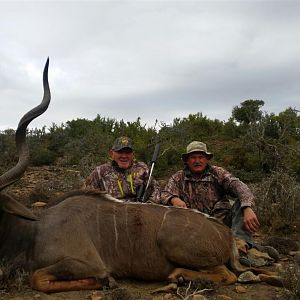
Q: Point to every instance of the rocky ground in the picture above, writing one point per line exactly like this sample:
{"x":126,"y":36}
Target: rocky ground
{"x":43,"y":185}
{"x":137,"y":290}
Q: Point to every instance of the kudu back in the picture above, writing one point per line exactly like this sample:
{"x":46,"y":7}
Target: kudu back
{"x":89,"y":238}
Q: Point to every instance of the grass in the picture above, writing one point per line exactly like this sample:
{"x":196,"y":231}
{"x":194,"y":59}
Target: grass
{"x":14,"y":278}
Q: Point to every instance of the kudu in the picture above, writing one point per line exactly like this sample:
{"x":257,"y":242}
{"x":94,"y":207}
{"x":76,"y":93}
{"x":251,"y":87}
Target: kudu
{"x":89,"y":238}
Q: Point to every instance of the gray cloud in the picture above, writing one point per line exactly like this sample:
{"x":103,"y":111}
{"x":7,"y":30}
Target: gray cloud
{"x":148,"y":59}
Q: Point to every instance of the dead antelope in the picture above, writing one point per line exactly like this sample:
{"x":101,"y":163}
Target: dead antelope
{"x":89,"y":238}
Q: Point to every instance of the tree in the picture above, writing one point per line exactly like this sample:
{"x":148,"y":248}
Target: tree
{"x":248,"y":112}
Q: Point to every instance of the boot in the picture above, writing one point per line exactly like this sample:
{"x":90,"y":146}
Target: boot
{"x":272,"y":252}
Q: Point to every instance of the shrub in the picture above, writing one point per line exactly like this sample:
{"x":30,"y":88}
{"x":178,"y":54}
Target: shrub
{"x":291,"y":278}
{"x":278,"y":199}
{"x":14,"y":277}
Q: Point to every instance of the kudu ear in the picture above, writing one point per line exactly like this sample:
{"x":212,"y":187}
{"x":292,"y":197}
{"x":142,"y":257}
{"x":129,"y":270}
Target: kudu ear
{"x":13,"y":207}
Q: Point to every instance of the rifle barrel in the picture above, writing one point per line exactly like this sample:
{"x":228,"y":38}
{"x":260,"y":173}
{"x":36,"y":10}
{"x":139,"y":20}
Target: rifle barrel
{"x":155,"y":153}
{"x":153,"y":161}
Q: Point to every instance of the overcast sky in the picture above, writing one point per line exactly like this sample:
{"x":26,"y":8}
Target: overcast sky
{"x":149,"y":59}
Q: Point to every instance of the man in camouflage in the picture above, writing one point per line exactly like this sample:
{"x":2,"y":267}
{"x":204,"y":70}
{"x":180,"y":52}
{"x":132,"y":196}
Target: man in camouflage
{"x":205,"y":187}
{"x":123,"y":176}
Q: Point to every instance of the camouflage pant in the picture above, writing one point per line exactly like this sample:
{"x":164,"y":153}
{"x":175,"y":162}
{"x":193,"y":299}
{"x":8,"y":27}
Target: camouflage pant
{"x":235,"y":220}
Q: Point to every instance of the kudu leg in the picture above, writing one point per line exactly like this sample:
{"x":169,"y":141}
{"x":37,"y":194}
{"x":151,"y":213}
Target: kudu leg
{"x":70,"y":275}
{"x":218,"y":274}
{"x":42,"y":281}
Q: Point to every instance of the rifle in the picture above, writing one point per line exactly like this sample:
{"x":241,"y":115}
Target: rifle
{"x":142,"y":189}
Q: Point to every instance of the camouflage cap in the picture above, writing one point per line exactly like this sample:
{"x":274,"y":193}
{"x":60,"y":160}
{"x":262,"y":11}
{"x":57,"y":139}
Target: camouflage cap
{"x":121,"y":143}
{"x":196,"y":146}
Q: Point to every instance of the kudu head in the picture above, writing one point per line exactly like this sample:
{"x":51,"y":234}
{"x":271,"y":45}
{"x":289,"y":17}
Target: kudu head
{"x":7,"y":203}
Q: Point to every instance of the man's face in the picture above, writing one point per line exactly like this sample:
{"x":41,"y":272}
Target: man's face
{"x":197,"y":162}
{"x":123,"y":157}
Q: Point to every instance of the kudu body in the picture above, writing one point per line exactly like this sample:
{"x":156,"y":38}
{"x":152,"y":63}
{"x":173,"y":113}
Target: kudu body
{"x":94,"y":238}
{"x":89,"y":237}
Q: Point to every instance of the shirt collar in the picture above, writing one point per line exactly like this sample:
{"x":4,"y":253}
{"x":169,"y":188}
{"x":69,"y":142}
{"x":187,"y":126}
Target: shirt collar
{"x":189,"y":175}
{"x":118,"y":169}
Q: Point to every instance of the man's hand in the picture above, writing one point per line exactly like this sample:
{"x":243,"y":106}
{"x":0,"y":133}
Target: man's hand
{"x":250,"y":220}
{"x":178,"y":202}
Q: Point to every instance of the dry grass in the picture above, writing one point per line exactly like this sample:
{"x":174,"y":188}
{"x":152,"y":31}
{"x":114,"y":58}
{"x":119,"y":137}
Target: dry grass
{"x":14,"y":278}
{"x":198,"y":287}
{"x":278,"y":202}
{"x":291,"y":278}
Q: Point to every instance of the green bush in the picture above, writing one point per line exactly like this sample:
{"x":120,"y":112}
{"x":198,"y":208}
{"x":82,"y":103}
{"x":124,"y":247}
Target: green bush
{"x":251,"y":143}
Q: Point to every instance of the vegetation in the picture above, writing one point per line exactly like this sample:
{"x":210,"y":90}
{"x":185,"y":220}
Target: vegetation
{"x":291,"y":278}
{"x":254,"y":145}
{"x":14,"y":277}
{"x":252,"y":142}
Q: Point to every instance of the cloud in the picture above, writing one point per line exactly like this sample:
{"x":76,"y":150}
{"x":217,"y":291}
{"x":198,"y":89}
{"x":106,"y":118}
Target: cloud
{"x":148,"y":59}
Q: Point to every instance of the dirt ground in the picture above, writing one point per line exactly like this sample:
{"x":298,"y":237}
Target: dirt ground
{"x":142,"y":291}
{"x":44,"y":184}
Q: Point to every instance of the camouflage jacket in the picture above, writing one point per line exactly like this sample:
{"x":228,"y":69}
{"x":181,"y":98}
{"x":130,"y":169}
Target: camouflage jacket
{"x":209,"y":192}
{"x":123,"y":184}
